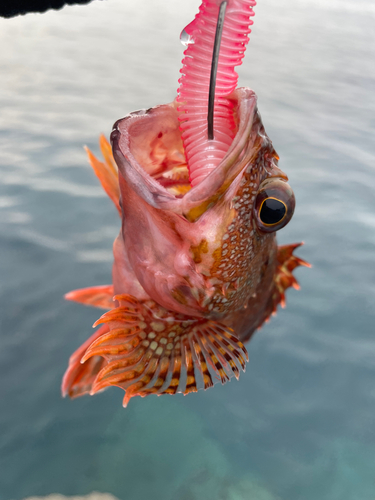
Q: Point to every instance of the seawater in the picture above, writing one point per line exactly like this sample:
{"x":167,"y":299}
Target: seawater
{"x":300,"y":423}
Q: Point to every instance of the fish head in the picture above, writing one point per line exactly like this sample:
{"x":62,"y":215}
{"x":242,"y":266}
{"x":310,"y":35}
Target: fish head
{"x":200,"y":251}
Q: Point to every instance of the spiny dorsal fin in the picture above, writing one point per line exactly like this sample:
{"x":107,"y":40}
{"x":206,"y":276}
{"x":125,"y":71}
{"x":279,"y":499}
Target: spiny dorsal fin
{"x":284,"y":278}
{"x":106,"y":172}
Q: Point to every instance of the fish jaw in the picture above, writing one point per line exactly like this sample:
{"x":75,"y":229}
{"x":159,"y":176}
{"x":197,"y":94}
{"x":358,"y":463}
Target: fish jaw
{"x":196,"y":252}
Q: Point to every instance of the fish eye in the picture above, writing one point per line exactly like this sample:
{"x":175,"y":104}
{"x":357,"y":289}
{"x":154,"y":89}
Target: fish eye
{"x":274,"y":205}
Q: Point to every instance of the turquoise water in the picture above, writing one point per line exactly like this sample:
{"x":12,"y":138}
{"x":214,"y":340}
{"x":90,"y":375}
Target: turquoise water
{"x":300,"y":423}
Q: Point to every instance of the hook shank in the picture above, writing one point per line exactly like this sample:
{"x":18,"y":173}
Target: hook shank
{"x":214,"y":65}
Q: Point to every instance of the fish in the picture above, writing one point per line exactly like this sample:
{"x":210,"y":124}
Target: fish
{"x":197,"y":269}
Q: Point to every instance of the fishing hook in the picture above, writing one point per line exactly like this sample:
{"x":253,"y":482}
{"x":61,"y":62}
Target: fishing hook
{"x":214,"y":65}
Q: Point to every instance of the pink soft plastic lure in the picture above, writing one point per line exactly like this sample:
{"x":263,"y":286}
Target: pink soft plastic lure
{"x":196,"y":265}
{"x":202,"y":154}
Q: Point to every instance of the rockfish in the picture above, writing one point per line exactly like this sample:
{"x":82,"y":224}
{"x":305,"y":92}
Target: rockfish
{"x":200,"y":195}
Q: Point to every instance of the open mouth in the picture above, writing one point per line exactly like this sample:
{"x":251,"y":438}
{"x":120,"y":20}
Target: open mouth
{"x":148,"y":149}
{"x":155,"y":142}
{"x":183,"y":143}
{"x":156,"y":145}
{"x":152,"y":140}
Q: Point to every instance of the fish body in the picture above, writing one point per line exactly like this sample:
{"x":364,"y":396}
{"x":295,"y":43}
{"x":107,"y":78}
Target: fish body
{"x":196,"y":269}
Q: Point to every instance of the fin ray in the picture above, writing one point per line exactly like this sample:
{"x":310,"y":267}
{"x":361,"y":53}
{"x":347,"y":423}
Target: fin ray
{"x":145,"y":354}
{"x":284,"y":278}
{"x":79,"y":377}
{"x":106,"y":172}
{"x":96,"y":296}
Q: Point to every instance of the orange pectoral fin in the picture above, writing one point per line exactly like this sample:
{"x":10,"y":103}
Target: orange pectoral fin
{"x":96,"y":296}
{"x":78,"y":378}
{"x":145,"y":354}
{"x":106,"y":172}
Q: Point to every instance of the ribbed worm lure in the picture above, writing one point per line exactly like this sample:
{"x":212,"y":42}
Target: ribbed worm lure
{"x":196,"y":265}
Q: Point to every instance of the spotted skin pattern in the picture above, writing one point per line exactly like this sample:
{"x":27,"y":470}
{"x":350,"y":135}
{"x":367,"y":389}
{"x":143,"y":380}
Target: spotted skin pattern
{"x":240,"y":244}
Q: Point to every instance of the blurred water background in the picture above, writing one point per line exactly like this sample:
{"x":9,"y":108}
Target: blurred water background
{"x":300,"y":423}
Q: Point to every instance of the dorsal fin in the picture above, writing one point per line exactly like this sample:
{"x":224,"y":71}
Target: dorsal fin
{"x":106,"y":171}
{"x":284,"y":278}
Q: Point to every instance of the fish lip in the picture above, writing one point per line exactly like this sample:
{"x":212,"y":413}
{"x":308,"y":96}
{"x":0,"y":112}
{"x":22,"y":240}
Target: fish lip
{"x":218,"y":181}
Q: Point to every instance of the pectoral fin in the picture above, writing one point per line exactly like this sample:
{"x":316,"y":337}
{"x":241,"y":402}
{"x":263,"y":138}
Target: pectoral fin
{"x":96,"y":296}
{"x":147,"y":351}
{"x":78,"y":378}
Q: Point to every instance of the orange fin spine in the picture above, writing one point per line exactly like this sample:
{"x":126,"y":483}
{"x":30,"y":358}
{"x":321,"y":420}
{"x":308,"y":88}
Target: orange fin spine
{"x":78,"y":378}
{"x":146,"y":352}
{"x":106,"y":150}
{"x":96,"y":296}
{"x":106,"y":172}
{"x":284,"y":278}
{"x":213,"y":359}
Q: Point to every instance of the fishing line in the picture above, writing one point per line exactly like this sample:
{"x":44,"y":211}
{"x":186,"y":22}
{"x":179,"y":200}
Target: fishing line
{"x":214,"y":65}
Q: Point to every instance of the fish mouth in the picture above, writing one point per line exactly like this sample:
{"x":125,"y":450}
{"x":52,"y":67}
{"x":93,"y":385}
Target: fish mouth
{"x":148,"y":150}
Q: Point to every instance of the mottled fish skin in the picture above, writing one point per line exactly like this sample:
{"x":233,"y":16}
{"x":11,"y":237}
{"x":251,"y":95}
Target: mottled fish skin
{"x":199,"y":262}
